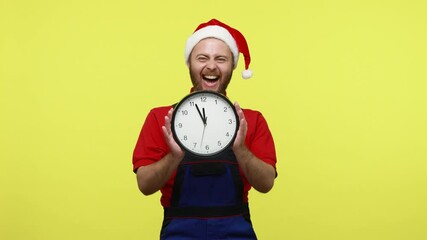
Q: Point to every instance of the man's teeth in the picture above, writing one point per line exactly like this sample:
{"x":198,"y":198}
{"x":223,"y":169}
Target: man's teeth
{"x":210,"y":77}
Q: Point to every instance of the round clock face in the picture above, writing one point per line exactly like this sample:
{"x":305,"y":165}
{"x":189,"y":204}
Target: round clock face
{"x":204,"y":123}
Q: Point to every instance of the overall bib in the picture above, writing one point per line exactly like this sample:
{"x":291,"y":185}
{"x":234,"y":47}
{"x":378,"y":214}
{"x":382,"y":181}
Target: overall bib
{"x":207,"y":201}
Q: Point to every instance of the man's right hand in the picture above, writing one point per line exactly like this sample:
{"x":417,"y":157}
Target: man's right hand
{"x":176,"y":151}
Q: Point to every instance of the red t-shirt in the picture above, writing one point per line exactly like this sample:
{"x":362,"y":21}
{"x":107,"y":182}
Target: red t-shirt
{"x":151,"y":145}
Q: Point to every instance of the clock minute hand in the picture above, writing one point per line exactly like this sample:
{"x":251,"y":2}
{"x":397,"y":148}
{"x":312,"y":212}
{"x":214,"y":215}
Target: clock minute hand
{"x":200,"y":114}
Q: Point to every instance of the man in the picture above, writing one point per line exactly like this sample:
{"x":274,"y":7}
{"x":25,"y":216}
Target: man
{"x":205,"y":212}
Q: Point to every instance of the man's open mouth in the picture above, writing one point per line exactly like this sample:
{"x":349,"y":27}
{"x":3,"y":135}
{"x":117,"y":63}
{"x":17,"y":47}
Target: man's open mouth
{"x":210,"y":78}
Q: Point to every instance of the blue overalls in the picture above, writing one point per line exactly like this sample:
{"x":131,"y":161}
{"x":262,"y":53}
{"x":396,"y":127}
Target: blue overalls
{"x":207,"y":201}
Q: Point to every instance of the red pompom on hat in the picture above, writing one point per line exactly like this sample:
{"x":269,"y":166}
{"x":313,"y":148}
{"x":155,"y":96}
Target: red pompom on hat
{"x":232,"y":37}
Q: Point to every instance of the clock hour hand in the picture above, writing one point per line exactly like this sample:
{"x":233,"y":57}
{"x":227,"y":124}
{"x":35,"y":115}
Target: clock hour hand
{"x":204,"y":117}
{"x":201,"y":116}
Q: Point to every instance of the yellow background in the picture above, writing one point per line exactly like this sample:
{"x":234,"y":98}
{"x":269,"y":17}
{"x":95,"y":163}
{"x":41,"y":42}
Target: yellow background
{"x":341,"y":83}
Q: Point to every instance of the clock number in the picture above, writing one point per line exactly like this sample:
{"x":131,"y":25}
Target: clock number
{"x":216,"y":101}
{"x":191,"y":104}
{"x":184,"y":112}
{"x":203,"y":99}
{"x":195,"y":144}
{"x":185,"y":137}
{"x":219,"y":143}
{"x":207,"y":147}
{"x":230,"y":121}
{"x":225,"y":109}
{"x":227,"y":134}
{"x":180,"y":125}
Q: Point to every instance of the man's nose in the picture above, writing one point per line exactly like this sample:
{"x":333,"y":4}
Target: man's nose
{"x":211,"y":64}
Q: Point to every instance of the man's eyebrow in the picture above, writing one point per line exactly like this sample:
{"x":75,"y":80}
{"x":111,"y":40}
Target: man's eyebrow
{"x":208,"y":56}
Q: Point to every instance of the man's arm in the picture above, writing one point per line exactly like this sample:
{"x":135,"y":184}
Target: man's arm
{"x":259,"y":174}
{"x":153,"y":177}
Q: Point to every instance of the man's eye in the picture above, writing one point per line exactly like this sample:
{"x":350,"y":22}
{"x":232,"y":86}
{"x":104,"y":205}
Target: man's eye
{"x":222,"y":60}
{"x":202,"y":59}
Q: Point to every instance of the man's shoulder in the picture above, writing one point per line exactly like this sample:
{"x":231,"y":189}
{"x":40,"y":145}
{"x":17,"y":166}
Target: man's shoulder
{"x":161,"y":108}
{"x":252,"y":115}
{"x":159,"y":113}
{"x":251,"y":112}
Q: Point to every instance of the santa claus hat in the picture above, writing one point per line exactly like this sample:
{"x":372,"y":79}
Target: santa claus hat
{"x":232,"y":37}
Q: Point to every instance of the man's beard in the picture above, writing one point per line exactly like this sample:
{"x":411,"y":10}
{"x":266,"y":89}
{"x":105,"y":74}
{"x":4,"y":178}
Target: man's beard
{"x":197,"y":86}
